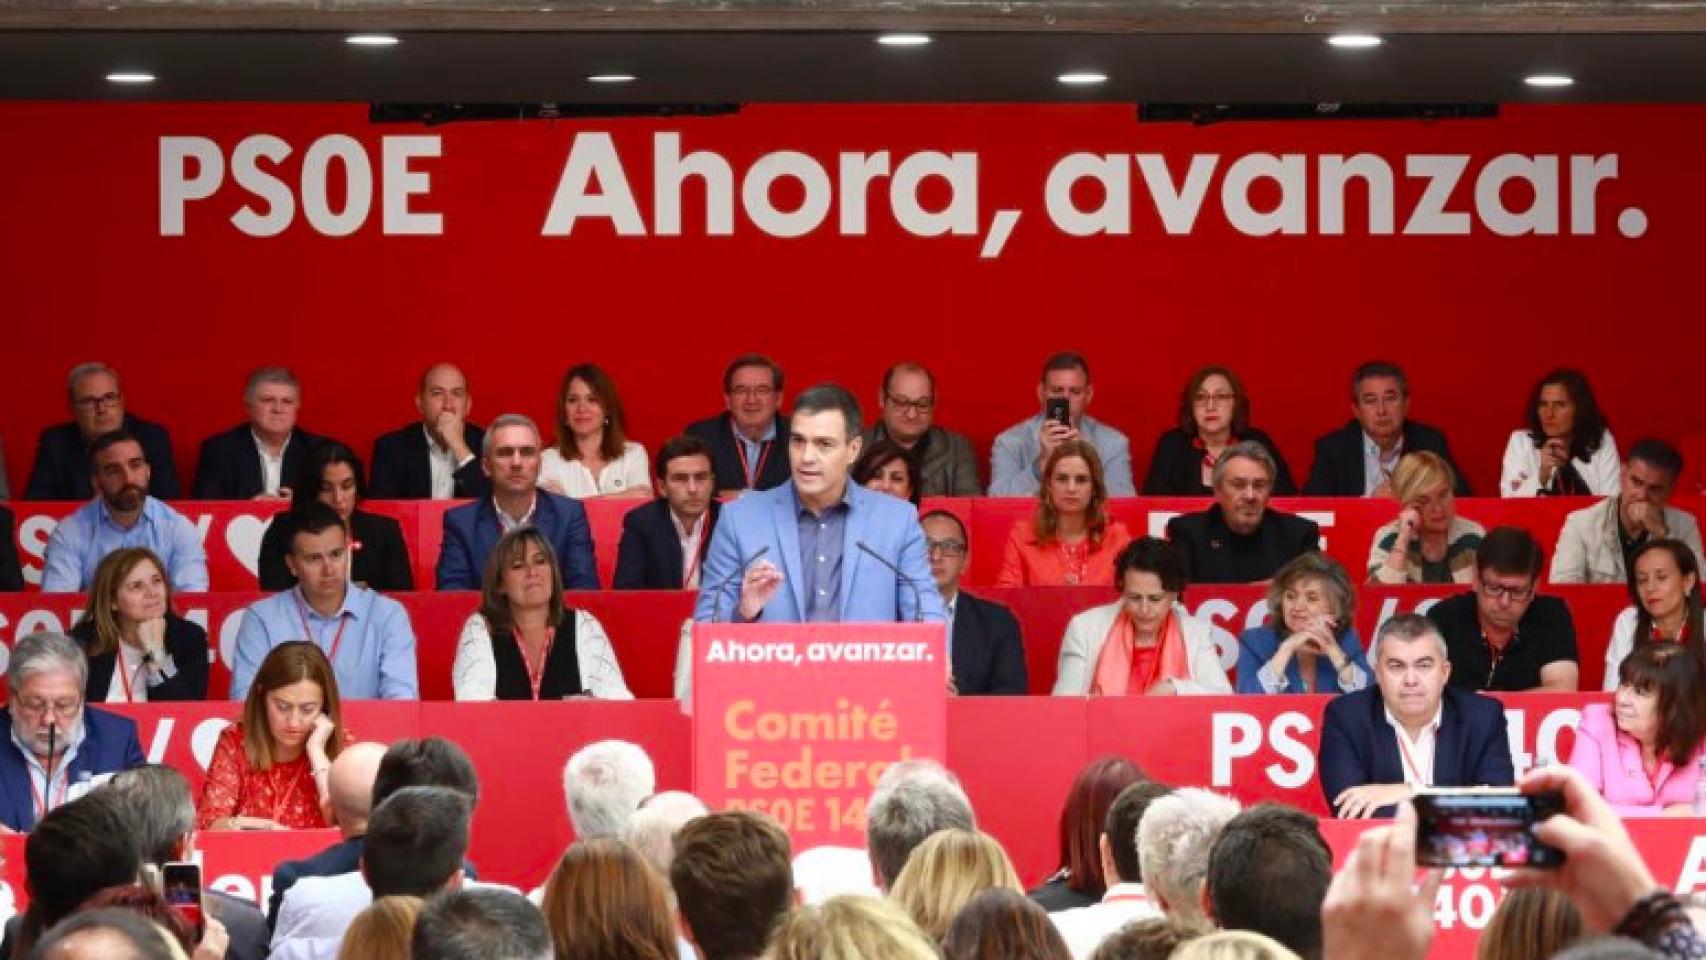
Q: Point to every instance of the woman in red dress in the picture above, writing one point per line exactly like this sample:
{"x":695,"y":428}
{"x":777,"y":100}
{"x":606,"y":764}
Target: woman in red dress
{"x":1071,"y":541}
{"x":269,"y":770}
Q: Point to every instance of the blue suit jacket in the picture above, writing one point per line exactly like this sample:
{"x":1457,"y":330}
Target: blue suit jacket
{"x":1358,"y":746}
{"x":472,"y":530}
{"x":110,"y":744}
{"x":870,"y":592}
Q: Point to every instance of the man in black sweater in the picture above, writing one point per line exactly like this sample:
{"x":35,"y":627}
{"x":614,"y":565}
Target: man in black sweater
{"x":1238,"y":539}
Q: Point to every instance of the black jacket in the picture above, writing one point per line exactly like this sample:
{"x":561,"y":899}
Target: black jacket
{"x":401,"y":469}
{"x":1358,"y":746}
{"x":61,"y":470}
{"x":11,"y":571}
{"x":988,"y":654}
{"x":230,"y":467}
{"x":382,"y":563}
{"x":1214,"y":554}
{"x":186,"y":642}
{"x":649,"y":555}
{"x":1175,"y":469}
{"x":718,"y":433}
{"x":1337,"y":470}
{"x":250,"y":939}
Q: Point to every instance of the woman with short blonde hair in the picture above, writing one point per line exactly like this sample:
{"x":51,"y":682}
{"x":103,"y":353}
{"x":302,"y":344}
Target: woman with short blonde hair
{"x":1428,"y":542}
{"x":945,"y":872}
{"x":850,"y":928}
{"x":1234,"y":945}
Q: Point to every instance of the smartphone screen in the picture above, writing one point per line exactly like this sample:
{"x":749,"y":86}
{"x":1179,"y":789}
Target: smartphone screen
{"x":1058,"y":410}
{"x":181,"y":885}
{"x":1479,"y":828}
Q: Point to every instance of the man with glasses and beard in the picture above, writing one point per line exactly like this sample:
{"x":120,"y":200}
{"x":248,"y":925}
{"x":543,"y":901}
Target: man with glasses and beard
{"x":122,"y":515}
{"x":57,"y":745}
{"x":1501,"y":635}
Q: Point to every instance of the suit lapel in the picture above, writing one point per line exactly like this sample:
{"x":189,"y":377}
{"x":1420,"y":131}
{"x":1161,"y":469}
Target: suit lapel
{"x":965,"y":612}
{"x":851,"y":556}
{"x":788,"y":537}
{"x":1448,"y":747}
{"x":1388,"y":766}
{"x":253,"y":476}
{"x":486,"y":530}
{"x":420,"y":464}
{"x":670,"y":542}
{"x":16,"y":775}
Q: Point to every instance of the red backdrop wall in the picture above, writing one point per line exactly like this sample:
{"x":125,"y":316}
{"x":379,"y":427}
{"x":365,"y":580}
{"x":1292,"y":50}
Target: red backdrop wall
{"x":1475,"y":318}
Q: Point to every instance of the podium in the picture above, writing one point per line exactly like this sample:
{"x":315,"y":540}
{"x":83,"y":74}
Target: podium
{"x":800,"y":720}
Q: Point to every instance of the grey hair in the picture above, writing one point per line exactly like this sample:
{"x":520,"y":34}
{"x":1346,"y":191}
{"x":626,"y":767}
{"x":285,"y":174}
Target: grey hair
{"x":480,"y":924}
{"x":275,"y":375}
{"x":507,"y":420}
{"x":86,"y":370}
{"x":1234,"y":945}
{"x":652,"y":828}
{"x":1314,"y":565}
{"x":46,"y":652}
{"x":912,"y":800}
{"x":1248,"y":450}
{"x":1408,"y":626}
{"x":605,"y":783}
{"x":1173,"y":842}
{"x":162,"y":811}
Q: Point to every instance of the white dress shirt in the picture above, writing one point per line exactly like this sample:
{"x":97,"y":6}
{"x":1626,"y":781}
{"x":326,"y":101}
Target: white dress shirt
{"x":443,"y":466}
{"x":631,"y":471}
{"x":690,"y":540}
{"x":474,"y":673}
{"x":129,"y":665}
{"x":1417,"y":756}
{"x":322,"y":908}
{"x":1084,"y":928}
{"x":272,"y":468}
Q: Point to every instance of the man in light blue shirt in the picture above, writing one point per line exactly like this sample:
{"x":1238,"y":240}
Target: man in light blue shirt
{"x":1016,"y":463}
{"x":367,"y":637}
{"x":122,"y":515}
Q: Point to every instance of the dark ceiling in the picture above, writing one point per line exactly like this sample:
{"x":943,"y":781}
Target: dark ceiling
{"x":705,"y":67}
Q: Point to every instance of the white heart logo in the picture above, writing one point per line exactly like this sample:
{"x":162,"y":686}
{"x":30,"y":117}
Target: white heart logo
{"x":243,"y":535}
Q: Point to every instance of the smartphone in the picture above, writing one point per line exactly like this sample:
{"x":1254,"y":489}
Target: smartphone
{"x":1484,"y":827}
{"x":181,"y":886}
{"x":1058,"y":410}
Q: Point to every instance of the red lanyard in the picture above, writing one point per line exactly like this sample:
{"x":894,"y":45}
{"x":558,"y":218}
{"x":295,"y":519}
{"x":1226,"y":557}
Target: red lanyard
{"x":535,"y":678}
{"x":40,"y":801}
{"x":1409,"y":764}
{"x":698,"y":554}
{"x":124,"y":675}
{"x":337,"y":638}
{"x":1681,"y":634}
{"x":752,"y":474}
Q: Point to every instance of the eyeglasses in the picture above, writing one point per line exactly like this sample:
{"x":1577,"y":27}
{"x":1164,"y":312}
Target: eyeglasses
{"x":63,"y":709}
{"x":920,"y":406}
{"x":947,"y":548}
{"x":96,"y":403}
{"x":1498,"y":591}
{"x":1214,"y":399}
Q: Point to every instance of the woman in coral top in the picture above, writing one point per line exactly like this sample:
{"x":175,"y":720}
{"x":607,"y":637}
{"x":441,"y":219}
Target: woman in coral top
{"x":269,"y":769}
{"x":1070,"y":541}
{"x":1642,"y":751}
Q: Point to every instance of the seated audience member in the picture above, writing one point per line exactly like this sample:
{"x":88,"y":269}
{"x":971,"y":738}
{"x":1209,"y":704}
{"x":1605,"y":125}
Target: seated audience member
{"x":913,"y":799}
{"x":435,"y":457}
{"x":1597,"y":542}
{"x":79,"y":849}
{"x":510,"y":456}
{"x":58,"y":744}
{"x":61,"y":468}
{"x":733,"y":882}
{"x":1642,"y":752}
{"x":1214,"y":413}
{"x":122,"y":514}
{"x":1079,"y":880}
{"x":1153,"y":939}
{"x":11,"y":571}
{"x":271,"y":769}
{"x":352,"y":784}
{"x":1144,"y":643}
{"x":139,"y":649}
{"x":367,"y":637}
{"x":383,"y":931}
{"x":123,"y":932}
{"x":163,"y":818}
{"x":593,"y":456}
{"x":604,"y":783}
{"x":1567,"y":449}
{"x":1234,"y":945}
{"x":1314,"y":606}
{"x":663,"y":542}
{"x":1429,"y":542}
{"x":945,"y":872}
{"x":1268,"y":872}
{"x":985,"y":649}
{"x":508,"y":648}
{"x":256,"y":460}
{"x":1018,"y":462}
{"x":850,"y":928}
{"x":150,"y":904}
{"x":885,"y":467}
{"x":1071,"y":539}
{"x":331,"y":474}
{"x":1001,"y":923}
{"x":1125,"y":900}
{"x":479,"y":925}
{"x":1411,"y":730}
{"x":1665,"y":604}
{"x":652,"y":829}
{"x":1502,"y":635}
{"x":1530,"y":922}
{"x":748,"y":443}
{"x":604,"y":901}
{"x":1173,"y":843}
{"x":1357,"y":459}
{"x":946,"y":465}
{"x":1238,"y":539}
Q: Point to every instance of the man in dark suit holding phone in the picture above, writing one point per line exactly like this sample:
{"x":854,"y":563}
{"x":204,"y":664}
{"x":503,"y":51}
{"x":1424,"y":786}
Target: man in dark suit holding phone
{"x":663,"y":542}
{"x":436,"y":457}
{"x":984,"y":643}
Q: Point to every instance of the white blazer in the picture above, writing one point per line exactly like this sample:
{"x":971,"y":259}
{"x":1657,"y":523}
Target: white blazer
{"x":1521,"y":474}
{"x":1083,"y":645}
{"x":1622,"y":643}
{"x":627,"y":472}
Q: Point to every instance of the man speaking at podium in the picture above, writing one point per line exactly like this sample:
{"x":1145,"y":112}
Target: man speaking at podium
{"x":818,"y":549}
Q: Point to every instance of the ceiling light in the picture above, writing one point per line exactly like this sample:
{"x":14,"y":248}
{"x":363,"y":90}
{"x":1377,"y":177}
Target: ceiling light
{"x":1548,"y":80}
{"x":1354,"y":41}
{"x":1082,"y":78}
{"x":371,"y":40}
{"x":903,"y":39}
{"x":130,"y":76}
{"x":611,"y":78}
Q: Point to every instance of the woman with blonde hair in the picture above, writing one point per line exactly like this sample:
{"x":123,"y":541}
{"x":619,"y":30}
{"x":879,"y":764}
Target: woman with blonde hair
{"x":850,"y":928}
{"x":1070,"y":540}
{"x":1234,"y":945}
{"x":139,"y":649}
{"x":603,"y":902}
{"x":945,"y":872}
{"x":383,"y":931}
{"x":1428,"y":542}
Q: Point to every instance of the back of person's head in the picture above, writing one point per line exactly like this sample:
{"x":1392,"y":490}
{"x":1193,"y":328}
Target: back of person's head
{"x":76,"y":850}
{"x":1609,"y":948}
{"x":483,"y":924}
{"x":161,"y":810}
{"x":733,"y":880}
{"x":1003,"y":924}
{"x":1531,"y":923}
{"x":604,"y":783}
{"x":652,"y":828}
{"x":1124,"y":815}
{"x":1511,"y":552}
{"x":1268,"y":872}
{"x":912,"y":800}
{"x":945,"y":872}
{"x":383,"y":931}
{"x":427,"y":762}
{"x":1173,"y":841}
{"x":350,"y":784}
{"x":1233,"y":945}
{"x":604,"y":903}
{"x":1153,"y":939}
{"x":416,"y":841}
{"x":110,"y":934}
{"x":851,"y":928}
{"x":1085,"y":815}
{"x":147,"y":904}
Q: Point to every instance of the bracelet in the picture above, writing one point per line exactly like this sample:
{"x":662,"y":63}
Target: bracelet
{"x":1650,"y":916}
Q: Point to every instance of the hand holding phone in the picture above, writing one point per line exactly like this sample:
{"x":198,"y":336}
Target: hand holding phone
{"x":1059,"y":410}
{"x":1485,"y":827}
{"x":181,"y":886}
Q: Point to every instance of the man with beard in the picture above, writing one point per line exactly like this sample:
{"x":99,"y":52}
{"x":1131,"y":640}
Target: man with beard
{"x":122,"y":515}
{"x":1238,"y":539}
{"x":57,"y":745}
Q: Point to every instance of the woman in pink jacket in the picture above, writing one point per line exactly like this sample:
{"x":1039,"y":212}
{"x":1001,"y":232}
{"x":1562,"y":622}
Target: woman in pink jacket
{"x":1643,"y":750}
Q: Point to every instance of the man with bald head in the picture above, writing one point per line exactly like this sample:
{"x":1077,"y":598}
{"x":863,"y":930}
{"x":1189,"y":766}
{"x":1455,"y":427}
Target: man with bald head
{"x":350,"y":783}
{"x":435,"y":457}
{"x":946,"y":465}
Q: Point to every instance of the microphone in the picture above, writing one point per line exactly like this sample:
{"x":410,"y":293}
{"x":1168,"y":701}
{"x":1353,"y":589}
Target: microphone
{"x":917,"y":597}
{"x":740,"y":571}
{"x":47,"y":768}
